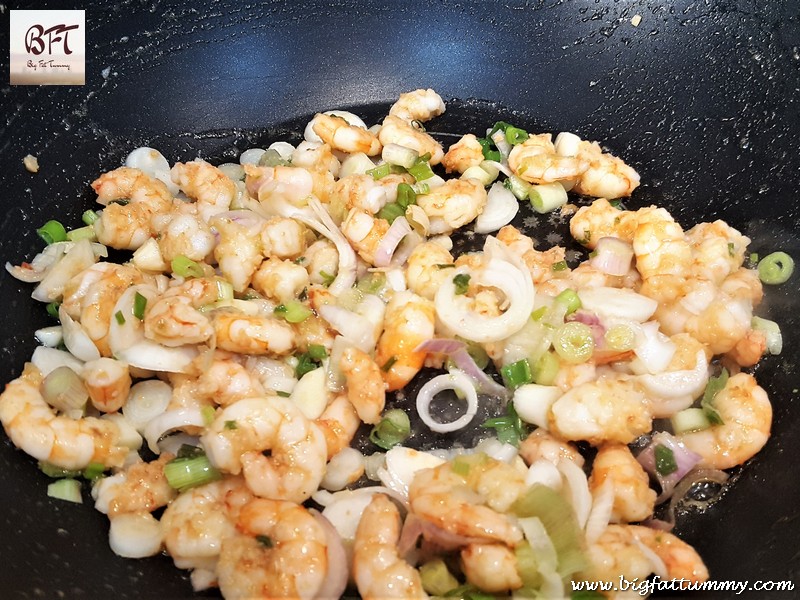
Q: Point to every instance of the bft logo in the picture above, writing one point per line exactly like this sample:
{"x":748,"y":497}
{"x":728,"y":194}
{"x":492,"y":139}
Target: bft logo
{"x":35,"y":42}
{"x":47,"y":47}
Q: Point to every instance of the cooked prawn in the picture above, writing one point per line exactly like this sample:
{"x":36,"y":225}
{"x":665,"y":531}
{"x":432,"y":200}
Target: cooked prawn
{"x":397,"y":131}
{"x":453,"y":204}
{"x":239,"y":251}
{"x":462,"y":155}
{"x":340,"y":135}
{"x":366,"y":390}
{"x":634,"y":499}
{"x":141,"y":487}
{"x":339,"y":423}
{"x":108,"y":382}
{"x":249,"y":334}
{"x":205,"y":184}
{"x":606,"y":176}
{"x":174,"y":321}
{"x":535,"y":160}
{"x":426,"y":269}
{"x":491,"y":567}
{"x":419,"y":105}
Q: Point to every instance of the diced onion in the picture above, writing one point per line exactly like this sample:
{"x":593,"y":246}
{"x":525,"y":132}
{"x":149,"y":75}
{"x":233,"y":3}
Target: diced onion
{"x":356,"y":164}
{"x":146,"y":401}
{"x":612,"y":256}
{"x":457,"y":381}
{"x":685,"y":460}
{"x":48,"y":359}
{"x":501,"y":207}
{"x":76,"y":339}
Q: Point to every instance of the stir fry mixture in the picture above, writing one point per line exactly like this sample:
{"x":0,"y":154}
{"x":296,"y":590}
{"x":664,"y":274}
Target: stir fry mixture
{"x":210,"y":388}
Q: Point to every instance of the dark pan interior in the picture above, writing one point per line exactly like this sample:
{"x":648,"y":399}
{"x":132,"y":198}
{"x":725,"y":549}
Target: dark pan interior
{"x":701,"y":98}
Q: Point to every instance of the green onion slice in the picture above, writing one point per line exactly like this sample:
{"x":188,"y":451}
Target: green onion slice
{"x":186,"y":267}
{"x":714,"y":387}
{"x":393,"y":429}
{"x":517,"y":373}
{"x":293,"y":311}
{"x":570,"y":299}
{"x":436,"y":578}
{"x":185,"y":473}
{"x":461,"y":281}
{"x":317,"y":351}
{"x":406,"y":195}
{"x":89,"y":217}
{"x":52,"y":232}
{"x":52,"y":309}
{"x":139,"y":306}
{"x":66,"y":489}
{"x":665,"y":460}
{"x":573,"y":342}
{"x":776,"y":268}
{"x":391,"y":211}
{"x":421,"y":171}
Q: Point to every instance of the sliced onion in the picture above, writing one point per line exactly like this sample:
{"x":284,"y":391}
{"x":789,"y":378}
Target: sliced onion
{"x":146,"y":401}
{"x":498,"y":166}
{"x":612,"y":256}
{"x":170,"y":421}
{"x":515,"y":283}
{"x":76,"y":339}
{"x":440,"y":346}
{"x":155,"y":357}
{"x":545,"y":472}
{"x":683,"y":384}
{"x":685,"y":459}
{"x":391,"y":240}
{"x":48,"y":359}
{"x":686,"y":484}
{"x":50,"y":336}
{"x":499,"y":139}
{"x":135,"y":535}
{"x":401,"y":465}
{"x":484,"y":384}
{"x":173,"y":443}
{"x":653,"y":348}
{"x":578,"y":488}
{"x":63,"y":389}
{"x":128,"y":435}
{"x":501,"y":207}
{"x":122,"y":336}
{"x":657,"y":565}
{"x":533,"y":401}
{"x":454,"y":380}
{"x":619,"y":303}
{"x":78,"y":258}
{"x":335,"y":581}
{"x":602,"y":507}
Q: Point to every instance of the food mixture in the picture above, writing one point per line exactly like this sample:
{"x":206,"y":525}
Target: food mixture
{"x":210,"y":388}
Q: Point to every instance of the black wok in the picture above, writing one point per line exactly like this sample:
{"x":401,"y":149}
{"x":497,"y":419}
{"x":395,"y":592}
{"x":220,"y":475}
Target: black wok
{"x":701,"y":98}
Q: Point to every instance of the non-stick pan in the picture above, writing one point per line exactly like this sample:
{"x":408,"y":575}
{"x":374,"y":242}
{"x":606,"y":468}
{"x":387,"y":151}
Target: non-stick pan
{"x":700,"y":97}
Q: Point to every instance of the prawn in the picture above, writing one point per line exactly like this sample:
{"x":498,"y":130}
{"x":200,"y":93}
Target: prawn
{"x":235,"y":442}
{"x":174,"y":321}
{"x":340,"y":135}
{"x":339,"y":423}
{"x":465,"y":153}
{"x":33,"y":426}
{"x":141,"y":487}
{"x":535,"y":160}
{"x":184,"y":235}
{"x":397,"y":131}
{"x":378,"y":570}
{"x":366,"y":390}
{"x":491,"y":567}
{"x":251,"y":334}
{"x":239,"y":251}
{"x":453,"y":204}
{"x":634,"y":499}
{"x":364,"y":232}
{"x":108,"y":382}
{"x":426,"y":269}
{"x":419,"y":105}
{"x":205,"y":184}
{"x":606,"y":176}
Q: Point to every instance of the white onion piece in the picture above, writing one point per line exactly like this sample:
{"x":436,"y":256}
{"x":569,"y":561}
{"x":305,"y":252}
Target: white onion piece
{"x":612,"y":256}
{"x":310,"y":394}
{"x":148,"y":257}
{"x":653,"y":348}
{"x":170,"y":421}
{"x":501,"y":207}
{"x":545,"y":472}
{"x":78,"y":258}
{"x":567,"y":144}
{"x":155,"y":357}
{"x":357,"y":329}
{"x":128,"y":435}
{"x":391,"y":240}
{"x":147,"y":160}
{"x":500,"y":167}
{"x":678,"y":384}
{"x":146,"y":401}
{"x":104,"y":491}
{"x":515,"y":283}
{"x":401,"y":465}
{"x":620,"y":303}
{"x":122,"y":336}
{"x":50,"y":336}
{"x":335,"y":581}
{"x":76,"y":339}
{"x":251,"y":156}
{"x":135,"y":535}
{"x":454,"y":380}
{"x":578,"y":487}
{"x":499,"y":139}
{"x":600,"y":515}
{"x":173,"y":443}
{"x":49,"y":359}
{"x":356,"y":164}
{"x":497,"y":450}
{"x":533,"y":401}
{"x":311,"y":136}
{"x":373,"y":464}
{"x":344,"y":468}
{"x":285,"y":149}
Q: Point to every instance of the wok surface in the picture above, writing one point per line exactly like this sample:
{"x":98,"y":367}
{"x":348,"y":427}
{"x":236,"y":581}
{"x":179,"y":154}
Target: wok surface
{"x":701,"y":98}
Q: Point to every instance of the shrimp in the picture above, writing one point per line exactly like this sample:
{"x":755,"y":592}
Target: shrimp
{"x":541,"y":444}
{"x":453,"y":204}
{"x":321,"y":257}
{"x":340,"y":135}
{"x":599,"y":220}
{"x":251,"y":334}
{"x":240,"y":433}
{"x":660,"y":246}
{"x":612,"y":409}
{"x":202,"y":291}
{"x":316,"y":157}
{"x":33,"y":426}
{"x":184,"y":235}
{"x":634,"y":552}
{"x":108,"y":383}
{"x":471,"y":505}
{"x":339,"y":423}
{"x":746,"y":414}
{"x":198,"y":520}
{"x":205,"y":184}
{"x":426,"y":269}
{"x":606,"y":175}
{"x":634,"y":499}
{"x":358,"y":191}
{"x":364,"y":232}
{"x":281,"y":280}
{"x":365,"y":387}
{"x":279,"y":551}
{"x":749,"y":350}
{"x":409,"y":321}
{"x":173,"y":321}
{"x":722,"y":324}
{"x":718,"y":250}
{"x":462,"y":155}
{"x":275,"y":186}
{"x":239,"y":251}
{"x":142,"y":487}
{"x":131,"y":198}
{"x":539,"y":263}
{"x":397,"y":131}
{"x":378,"y":570}
{"x":225,"y":381}
{"x":491,"y":567}
{"x":282,"y":237}
{"x":419,"y":105}
{"x":535,"y":160}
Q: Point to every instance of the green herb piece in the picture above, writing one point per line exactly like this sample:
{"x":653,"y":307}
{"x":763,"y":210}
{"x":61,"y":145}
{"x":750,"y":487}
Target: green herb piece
{"x":714,"y":387}
{"x":393,"y":429}
{"x":139,"y":306}
{"x":52,"y":232}
{"x":665,"y":460}
{"x":461,"y":281}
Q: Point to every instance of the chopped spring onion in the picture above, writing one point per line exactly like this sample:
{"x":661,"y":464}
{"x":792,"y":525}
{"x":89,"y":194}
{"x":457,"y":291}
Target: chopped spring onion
{"x":479,"y":174}
{"x":64,"y":390}
{"x":305,"y":364}
{"x":517,"y":373}
{"x":94,"y":471}
{"x":119,"y":317}
{"x":293,"y":311}
{"x":421,"y":171}
{"x":689,"y":419}
{"x":327,"y":278}
{"x":715,"y":385}
{"x":52,"y":309}
{"x":82,"y":233}
{"x":462,"y":464}
{"x":620,"y":338}
{"x":461,"y":282}
{"x":55,"y":472}
{"x":396,"y":154}
{"x":405,"y":195}
{"x":231,"y":425}
{"x":775,"y":268}
{"x":384,"y":170}
{"x":573,"y":342}
{"x":388,"y":364}
{"x":515,"y":135}
{"x":436,"y":578}
{"x":185,"y":473}
{"x":547,"y":197}
{"x":52,"y":232}
{"x":224,"y":290}
{"x":393,"y":429}
{"x":373,"y":283}
{"x":519,"y":187}
{"x":65,"y":489}
{"x":772,"y":332}
{"x":139,"y":306}
{"x":488,"y":152}
{"x":391,"y":211}
{"x":510,"y":428}
{"x":273,"y":158}
{"x":186,"y":267}
{"x":665,"y":460}
{"x":570,"y":299}
{"x":559,"y":266}
{"x":317,"y":351}
{"x":208,"y":413}
{"x":546,"y":369}
{"x":265,"y":541}
{"x":89,"y":217}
